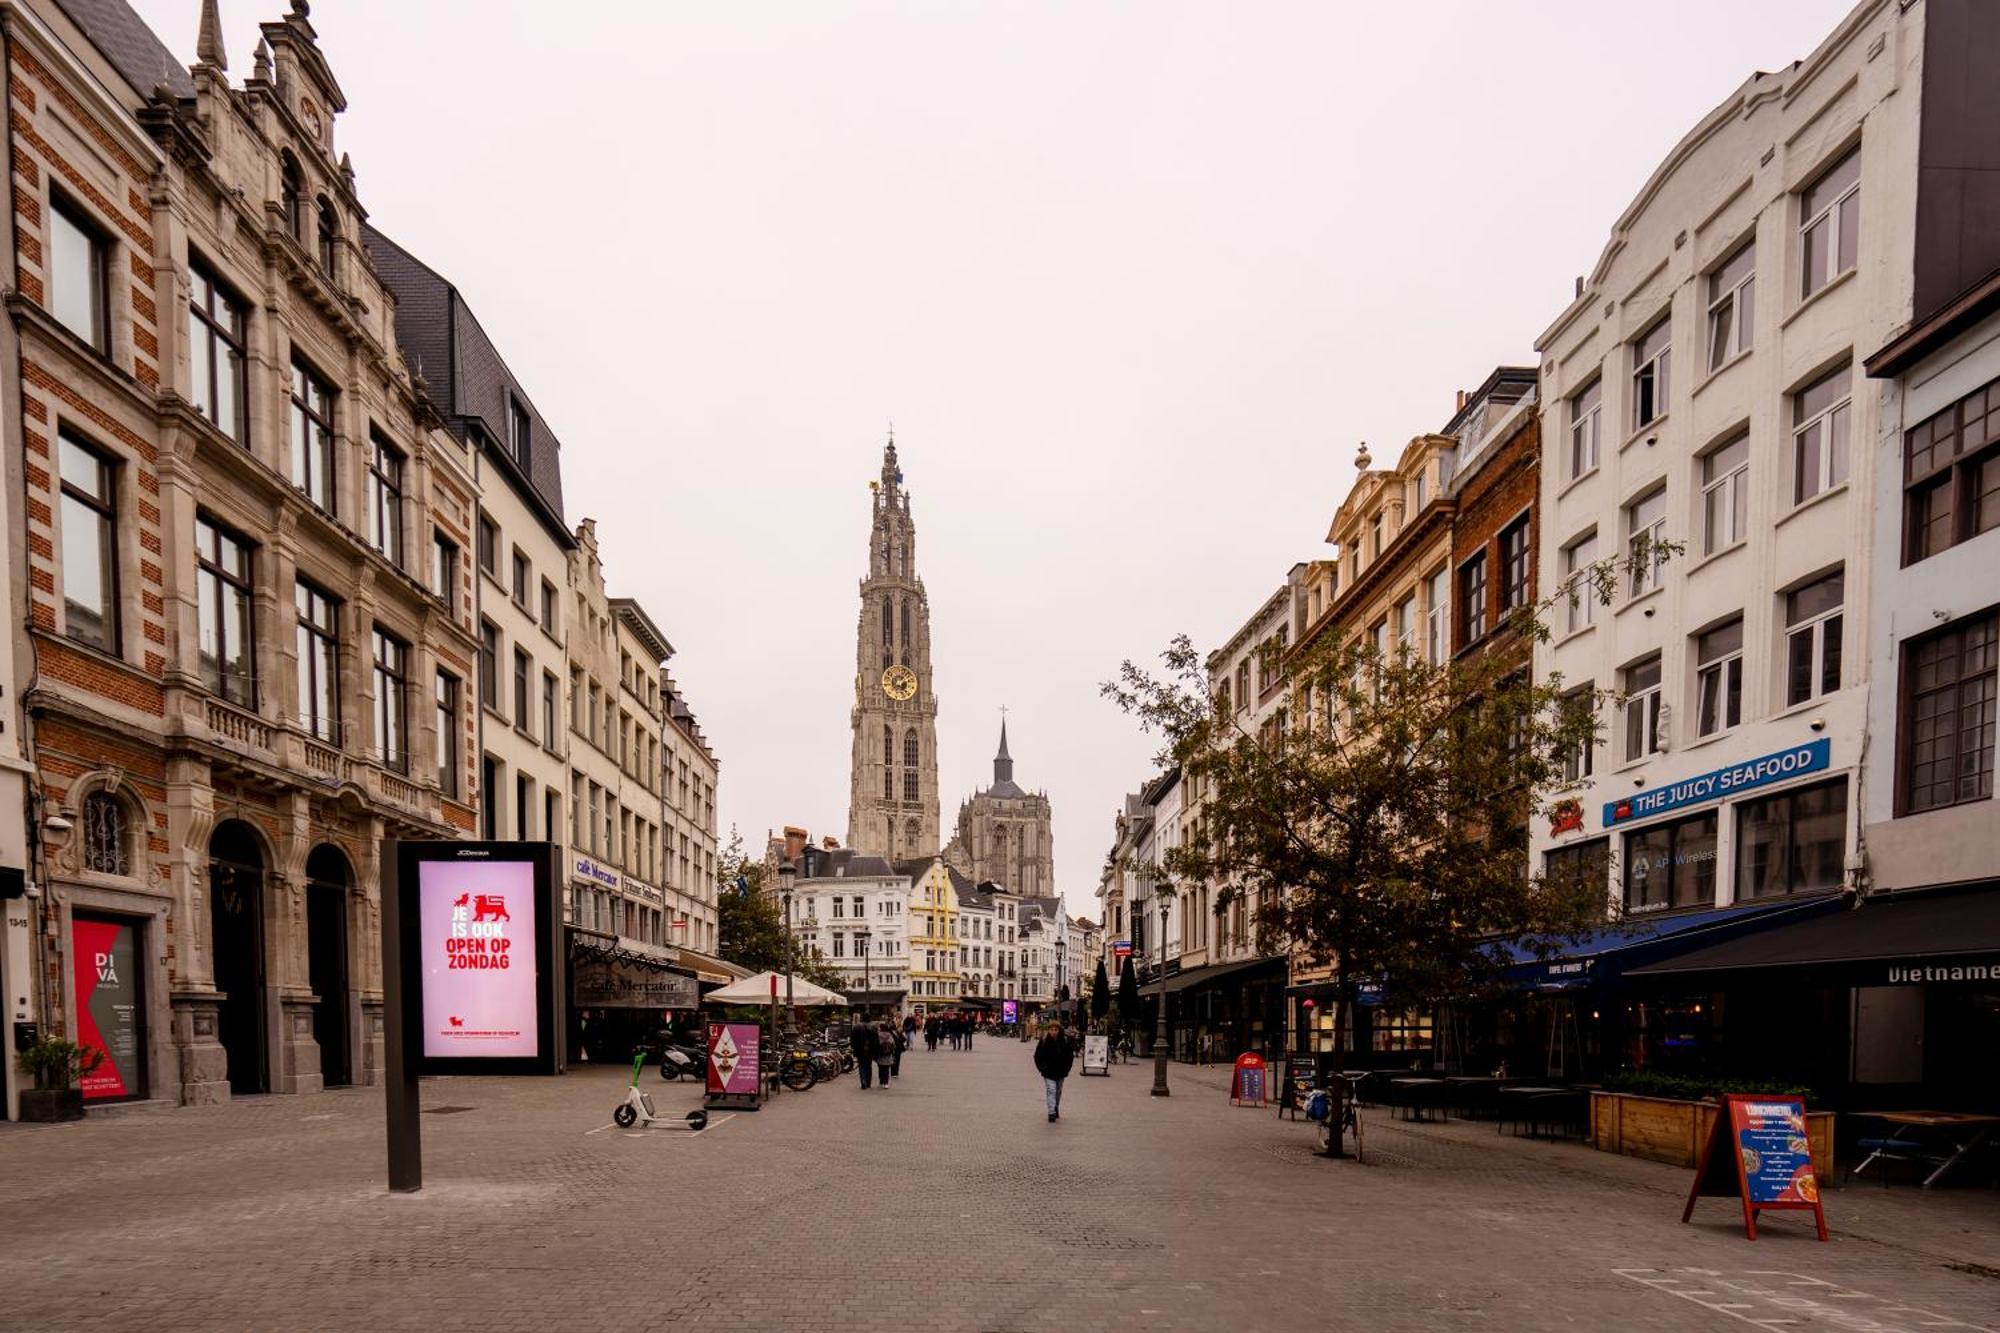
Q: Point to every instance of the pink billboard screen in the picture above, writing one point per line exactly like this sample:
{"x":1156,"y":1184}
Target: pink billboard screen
{"x":477,"y":928}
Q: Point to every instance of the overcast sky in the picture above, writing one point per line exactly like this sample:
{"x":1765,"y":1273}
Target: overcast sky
{"x":1130,"y":280}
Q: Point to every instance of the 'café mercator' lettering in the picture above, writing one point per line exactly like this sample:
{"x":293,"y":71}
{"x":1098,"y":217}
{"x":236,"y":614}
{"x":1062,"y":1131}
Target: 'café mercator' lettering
{"x":1906,"y":976}
{"x":1812,"y":757}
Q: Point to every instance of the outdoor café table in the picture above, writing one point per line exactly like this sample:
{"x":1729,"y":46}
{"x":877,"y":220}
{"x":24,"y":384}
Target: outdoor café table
{"x":1519,"y":1102}
{"x":1469,"y":1093}
{"x":1964,"y":1131}
{"x":1415,"y":1095}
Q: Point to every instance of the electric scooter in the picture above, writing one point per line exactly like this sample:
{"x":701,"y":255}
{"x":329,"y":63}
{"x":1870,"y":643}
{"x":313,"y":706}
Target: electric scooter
{"x":638,"y":1105}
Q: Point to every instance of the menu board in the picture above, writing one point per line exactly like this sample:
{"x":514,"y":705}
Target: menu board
{"x":1246,"y":1088}
{"x":1758,"y":1149}
{"x":1772,"y":1148}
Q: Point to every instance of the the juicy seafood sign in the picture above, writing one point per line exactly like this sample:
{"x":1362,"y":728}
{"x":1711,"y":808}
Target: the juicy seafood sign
{"x":1759,"y":1150}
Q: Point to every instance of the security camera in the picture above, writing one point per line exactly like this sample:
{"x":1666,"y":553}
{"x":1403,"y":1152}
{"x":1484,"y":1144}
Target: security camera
{"x":1817,"y":724}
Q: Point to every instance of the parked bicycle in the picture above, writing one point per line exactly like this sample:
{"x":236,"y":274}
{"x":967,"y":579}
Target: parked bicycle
{"x":1331,"y":1128}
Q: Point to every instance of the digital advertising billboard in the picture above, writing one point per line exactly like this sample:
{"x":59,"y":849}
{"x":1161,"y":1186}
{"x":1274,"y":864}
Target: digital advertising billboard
{"x":477,"y":959}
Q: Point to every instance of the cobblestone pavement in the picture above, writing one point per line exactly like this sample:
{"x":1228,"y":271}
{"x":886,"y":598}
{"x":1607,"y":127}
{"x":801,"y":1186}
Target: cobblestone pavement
{"x":945,"y":1202}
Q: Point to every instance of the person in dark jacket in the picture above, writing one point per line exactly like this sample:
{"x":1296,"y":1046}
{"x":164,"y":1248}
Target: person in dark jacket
{"x":1054,"y":1054}
{"x":861,"y":1041}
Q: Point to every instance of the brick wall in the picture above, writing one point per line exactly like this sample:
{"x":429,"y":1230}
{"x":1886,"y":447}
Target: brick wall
{"x":1504,"y":487}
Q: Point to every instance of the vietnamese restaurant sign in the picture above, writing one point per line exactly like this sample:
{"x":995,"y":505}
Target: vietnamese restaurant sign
{"x":1811,"y":757}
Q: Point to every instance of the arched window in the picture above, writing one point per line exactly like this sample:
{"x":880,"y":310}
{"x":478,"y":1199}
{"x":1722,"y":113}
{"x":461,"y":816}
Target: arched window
{"x":915,"y":832}
{"x":909,"y":784}
{"x":888,"y":785}
{"x":107,"y":834}
{"x":888,"y":621}
{"x":329,"y":232}
{"x":292,"y":193}
{"x":906,"y":621}
{"x":888,"y":747}
{"x":910,"y":747}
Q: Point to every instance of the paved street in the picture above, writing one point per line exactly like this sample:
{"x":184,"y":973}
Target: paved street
{"x":945,"y":1202}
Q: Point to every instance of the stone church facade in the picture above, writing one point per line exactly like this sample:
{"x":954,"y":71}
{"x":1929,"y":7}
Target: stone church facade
{"x":1002,"y":834}
{"x":892,"y":808}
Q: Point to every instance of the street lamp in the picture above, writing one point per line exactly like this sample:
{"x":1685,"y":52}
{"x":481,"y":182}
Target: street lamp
{"x":1062,"y":949}
{"x":866,"y":939}
{"x":1160,"y":1027}
{"x":787,"y":875}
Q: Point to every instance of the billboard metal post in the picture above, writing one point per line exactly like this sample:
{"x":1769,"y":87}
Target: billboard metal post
{"x":406,"y":1147}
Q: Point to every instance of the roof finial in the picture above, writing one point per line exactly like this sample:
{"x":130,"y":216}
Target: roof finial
{"x":261,"y":65}
{"x":208,"y":43}
{"x":1361,"y":458}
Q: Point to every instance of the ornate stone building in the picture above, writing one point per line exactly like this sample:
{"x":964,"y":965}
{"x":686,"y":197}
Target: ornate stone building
{"x":1003,"y":833}
{"x":242,"y":672}
{"x":892,"y":808}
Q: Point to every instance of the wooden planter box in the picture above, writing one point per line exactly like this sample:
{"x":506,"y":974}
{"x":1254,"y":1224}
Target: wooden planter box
{"x":1662,"y":1129}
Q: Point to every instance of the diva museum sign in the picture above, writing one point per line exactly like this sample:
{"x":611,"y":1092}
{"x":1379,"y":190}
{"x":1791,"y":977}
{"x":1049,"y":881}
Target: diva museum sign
{"x":1799,"y":760}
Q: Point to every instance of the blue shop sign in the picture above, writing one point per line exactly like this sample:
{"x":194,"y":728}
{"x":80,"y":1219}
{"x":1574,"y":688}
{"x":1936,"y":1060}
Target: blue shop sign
{"x":1812,"y":757}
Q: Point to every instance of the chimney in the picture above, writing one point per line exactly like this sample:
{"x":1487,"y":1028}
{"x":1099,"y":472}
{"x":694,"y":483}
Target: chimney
{"x":796,"y":841}
{"x":830,"y":842}
{"x":1462,"y":396}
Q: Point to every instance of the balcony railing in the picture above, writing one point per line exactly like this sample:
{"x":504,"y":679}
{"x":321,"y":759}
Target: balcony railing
{"x":238,"y":727}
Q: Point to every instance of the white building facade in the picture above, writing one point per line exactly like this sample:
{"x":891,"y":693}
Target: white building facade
{"x":1705,"y":390}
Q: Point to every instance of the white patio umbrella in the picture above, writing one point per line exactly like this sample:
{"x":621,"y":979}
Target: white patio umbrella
{"x":756,"y":989}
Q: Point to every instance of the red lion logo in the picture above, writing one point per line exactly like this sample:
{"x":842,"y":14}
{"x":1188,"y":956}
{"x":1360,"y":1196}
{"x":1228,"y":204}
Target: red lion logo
{"x":490,"y":907}
{"x":460,"y":900}
{"x":457,"y":1022}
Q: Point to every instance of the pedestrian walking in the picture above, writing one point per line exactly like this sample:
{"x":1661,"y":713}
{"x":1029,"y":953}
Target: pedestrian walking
{"x":1054,"y":1054}
{"x":900,"y":1041}
{"x":861,"y":1041}
{"x":885,"y":1053}
{"x":909,"y":1031}
{"x":970,"y":1024}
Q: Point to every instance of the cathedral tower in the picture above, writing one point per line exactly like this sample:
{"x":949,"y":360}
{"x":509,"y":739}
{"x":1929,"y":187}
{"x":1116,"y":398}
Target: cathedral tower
{"x":1003,"y":834}
{"x":892,"y":803}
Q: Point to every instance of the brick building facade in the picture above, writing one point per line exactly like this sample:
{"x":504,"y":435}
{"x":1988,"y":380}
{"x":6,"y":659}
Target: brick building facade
{"x":239,"y":673}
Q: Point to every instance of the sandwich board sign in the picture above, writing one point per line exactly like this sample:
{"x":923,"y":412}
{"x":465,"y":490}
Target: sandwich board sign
{"x":1759,"y":1152}
{"x":1097,"y":1054}
{"x":1246,"y":1083}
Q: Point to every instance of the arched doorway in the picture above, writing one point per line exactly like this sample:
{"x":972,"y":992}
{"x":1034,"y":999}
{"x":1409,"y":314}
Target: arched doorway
{"x":236,"y":938}
{"x":327,"y":883}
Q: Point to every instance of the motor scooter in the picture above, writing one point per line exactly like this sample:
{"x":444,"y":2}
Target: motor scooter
{"x":638,"y":1106}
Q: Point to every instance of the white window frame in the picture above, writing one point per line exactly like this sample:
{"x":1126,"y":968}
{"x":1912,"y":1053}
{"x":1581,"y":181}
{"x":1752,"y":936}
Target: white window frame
{"x":1729,"y":490}
{"x":1830,"y":215}
{"x":1645,"y":577}
{"x":1718,"y":683}
{"x":1579,"y":764}
{"x":1586,"y":429}
{"x":1582,"y":594}
{"x":1645,"y":706}
{"x":1834,"y":466}
{"x":1736,"y":302}
{"x":1652,"y":375}
{"x":1815,"y":628}
{"x":1437,"y":617}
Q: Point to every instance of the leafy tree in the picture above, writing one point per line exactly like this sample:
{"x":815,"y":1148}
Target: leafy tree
{"x":1383,"y":815}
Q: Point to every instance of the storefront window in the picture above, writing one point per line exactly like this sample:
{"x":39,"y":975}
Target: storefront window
{"x":1584,"y":865}
{"x":1671,"y":865}
{"x":1794,"y":842}
{"x":1406,"y":1031}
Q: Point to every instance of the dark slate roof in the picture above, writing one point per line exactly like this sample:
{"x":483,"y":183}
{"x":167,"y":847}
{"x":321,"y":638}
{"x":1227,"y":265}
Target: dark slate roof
{"x":466,"y":375}
{"x":828,"y":863}
{"x":970,"y":894}
{"x":133,"y":49}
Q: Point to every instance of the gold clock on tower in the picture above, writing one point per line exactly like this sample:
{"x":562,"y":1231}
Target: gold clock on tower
{"x":899,"y":683}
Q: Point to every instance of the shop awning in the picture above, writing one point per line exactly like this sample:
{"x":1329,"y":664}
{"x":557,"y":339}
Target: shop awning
{"x":1622,"y":948}
{"x":710,"y":969}
{"x":1202,"y":976}
{"x":1909,"y":937}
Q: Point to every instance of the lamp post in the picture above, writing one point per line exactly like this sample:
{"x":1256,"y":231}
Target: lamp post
{"x":1062,"y":949}
{"x":787,"y":875}
{"x":866,"y":939}
{"x":1160,"y":1026}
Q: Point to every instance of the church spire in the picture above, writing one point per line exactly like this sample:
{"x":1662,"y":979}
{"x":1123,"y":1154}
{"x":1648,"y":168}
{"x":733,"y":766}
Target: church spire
{"x":892,"y":471}
{"x":1003,"y":763}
